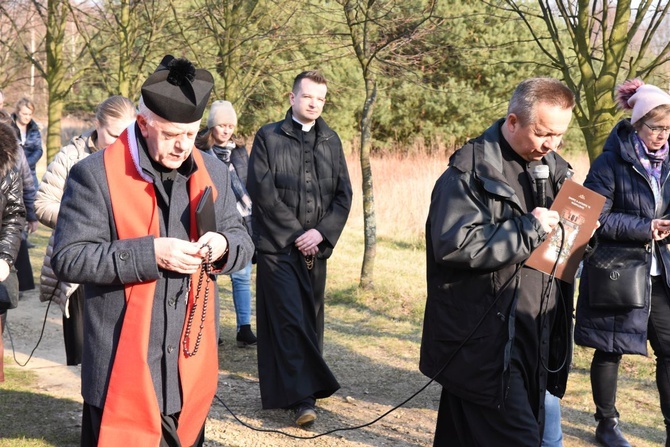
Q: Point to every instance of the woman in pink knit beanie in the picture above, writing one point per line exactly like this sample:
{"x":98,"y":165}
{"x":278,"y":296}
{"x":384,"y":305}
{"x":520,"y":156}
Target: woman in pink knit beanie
{"x":632,"y":173}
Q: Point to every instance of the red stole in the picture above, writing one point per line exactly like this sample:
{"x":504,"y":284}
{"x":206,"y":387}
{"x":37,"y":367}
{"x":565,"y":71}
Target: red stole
{"x":131,"y":416}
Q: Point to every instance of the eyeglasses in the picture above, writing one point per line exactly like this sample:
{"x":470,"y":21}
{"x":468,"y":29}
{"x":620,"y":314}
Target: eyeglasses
{"x":657,"y":130}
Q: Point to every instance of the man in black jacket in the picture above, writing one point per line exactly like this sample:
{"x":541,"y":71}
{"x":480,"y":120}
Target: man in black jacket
{"x":496,"y":335}
{"x":301,"y":193}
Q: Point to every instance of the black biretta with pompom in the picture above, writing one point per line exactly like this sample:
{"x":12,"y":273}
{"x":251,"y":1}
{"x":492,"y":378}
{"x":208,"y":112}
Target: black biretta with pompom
{"x":177,"y":91}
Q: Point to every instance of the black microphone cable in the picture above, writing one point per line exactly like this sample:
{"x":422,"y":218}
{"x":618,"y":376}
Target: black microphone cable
{"x":39,"y":340}
{"x":396,"y":407}
{"x":444,"y":366}
{"x":544,"y":303}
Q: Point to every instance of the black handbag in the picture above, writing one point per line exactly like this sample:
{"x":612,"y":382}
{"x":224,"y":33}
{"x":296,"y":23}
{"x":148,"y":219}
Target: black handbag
{"x":618,"y":276}
{"x":9,"y":291}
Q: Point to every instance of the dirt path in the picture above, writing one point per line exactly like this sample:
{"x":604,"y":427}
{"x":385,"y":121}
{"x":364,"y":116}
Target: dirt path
{"x":48,"y":362}
{"x":373,"y":381}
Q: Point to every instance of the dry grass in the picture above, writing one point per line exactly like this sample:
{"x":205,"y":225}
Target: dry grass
{"x":402,"y":188}
{"x":375,"y":335}
{"x":402,"y":194}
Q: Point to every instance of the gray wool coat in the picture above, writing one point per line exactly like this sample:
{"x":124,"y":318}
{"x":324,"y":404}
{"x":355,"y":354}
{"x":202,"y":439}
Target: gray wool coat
{"x":87,"y":251}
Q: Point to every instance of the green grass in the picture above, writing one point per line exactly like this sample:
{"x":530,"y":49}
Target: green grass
{"x":382,"y":326}
{"x":400,"y":284}
{"x":30,"y":418}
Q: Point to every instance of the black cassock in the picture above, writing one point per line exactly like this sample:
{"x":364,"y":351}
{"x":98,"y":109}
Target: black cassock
{"x":289,"y":310}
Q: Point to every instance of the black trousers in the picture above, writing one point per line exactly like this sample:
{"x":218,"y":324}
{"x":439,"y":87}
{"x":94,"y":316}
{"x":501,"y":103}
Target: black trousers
{"x":73,"y":328}
{"x":464,"y":424}
{"x":23,"y":268}
{"x":92,"y":417}
{"x":605,"y":365}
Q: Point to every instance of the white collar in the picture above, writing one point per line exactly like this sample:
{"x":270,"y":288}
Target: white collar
{"x":305,"y":127}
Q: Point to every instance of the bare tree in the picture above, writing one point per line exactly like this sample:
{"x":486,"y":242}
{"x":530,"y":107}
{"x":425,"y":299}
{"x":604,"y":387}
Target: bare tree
{"x":596,"y":45}
{"x":381,"y":32}
{"x":254,"y":46}
{"x":48,"y":25}
{"x":121,"y":38}
{"x":14,"y":66}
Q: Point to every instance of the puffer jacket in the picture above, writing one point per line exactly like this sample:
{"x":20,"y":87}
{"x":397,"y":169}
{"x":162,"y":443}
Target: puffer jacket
{"x":11,"y":196}
{"x":626,"y":218}
{"x":47,"y":204}
{"x":476,"y":235}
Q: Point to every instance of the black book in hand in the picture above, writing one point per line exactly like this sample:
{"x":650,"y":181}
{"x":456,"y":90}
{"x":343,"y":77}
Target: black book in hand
{"x":205,"y":217}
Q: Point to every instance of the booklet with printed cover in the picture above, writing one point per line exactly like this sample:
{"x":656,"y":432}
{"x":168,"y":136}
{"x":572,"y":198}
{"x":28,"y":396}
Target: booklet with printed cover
{"x":579,"y":209}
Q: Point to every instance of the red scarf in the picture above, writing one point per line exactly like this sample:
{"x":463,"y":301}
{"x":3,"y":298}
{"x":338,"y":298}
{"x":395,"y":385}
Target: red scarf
{"x":131,"y":416}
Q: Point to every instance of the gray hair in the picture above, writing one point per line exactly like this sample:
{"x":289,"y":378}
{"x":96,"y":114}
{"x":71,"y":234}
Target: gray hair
{"x":531,"y":92}
{"x":149,"y":115}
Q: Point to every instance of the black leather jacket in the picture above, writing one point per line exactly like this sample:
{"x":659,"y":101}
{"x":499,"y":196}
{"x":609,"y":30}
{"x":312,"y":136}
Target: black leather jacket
{"x":11,"y":196}
{"x":476,"y":235}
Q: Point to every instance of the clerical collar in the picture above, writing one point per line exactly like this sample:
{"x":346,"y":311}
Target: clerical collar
{"x":305,"y":127}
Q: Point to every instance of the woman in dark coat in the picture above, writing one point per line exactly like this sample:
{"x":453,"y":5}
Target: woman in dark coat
{"x":29,"y":133}
{"x":632,"y":173}
{"x":12,"y":211}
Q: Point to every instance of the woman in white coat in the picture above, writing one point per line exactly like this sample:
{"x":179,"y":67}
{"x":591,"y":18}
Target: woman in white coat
{"x":112,"y":116}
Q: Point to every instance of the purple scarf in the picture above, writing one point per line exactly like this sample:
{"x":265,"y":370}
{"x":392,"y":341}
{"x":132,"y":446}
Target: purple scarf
{"x":652,"y":161}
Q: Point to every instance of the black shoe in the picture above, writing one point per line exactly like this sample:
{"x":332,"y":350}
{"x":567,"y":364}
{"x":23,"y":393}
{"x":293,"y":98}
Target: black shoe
{"x":220,"y":341}
{"x":30,"y":244}
{"x":609,"y":434}
{"x":245,"y":337}
{"x":305,"y":415}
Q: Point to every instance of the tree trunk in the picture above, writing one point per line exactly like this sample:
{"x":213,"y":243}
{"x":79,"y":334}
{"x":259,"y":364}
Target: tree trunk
{"x":55,"y":115}
{"x":369,"y":219}
{"x":596,"y":134}
{"x":2,"y":348}
{"x":125,"y":50}
{"x":57,"y":86}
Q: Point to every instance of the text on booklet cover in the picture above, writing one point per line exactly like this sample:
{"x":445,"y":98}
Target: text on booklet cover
{"x":579,"y":209}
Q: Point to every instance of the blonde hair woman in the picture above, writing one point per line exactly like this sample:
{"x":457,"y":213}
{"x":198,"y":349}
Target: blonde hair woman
{"x":112,"y":116}
{"x":633,"y":174}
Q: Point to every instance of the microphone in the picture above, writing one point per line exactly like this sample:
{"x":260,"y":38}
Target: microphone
{"x":541,"y":173}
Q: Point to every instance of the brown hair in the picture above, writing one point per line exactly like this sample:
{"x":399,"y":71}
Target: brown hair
{"x":313,"y":75}
{"x":531,"y":92}
{"x":5,"y":118}
{"x":205,"y":140}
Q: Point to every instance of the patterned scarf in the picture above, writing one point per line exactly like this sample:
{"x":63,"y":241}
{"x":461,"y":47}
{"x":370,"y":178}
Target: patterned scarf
{"x":652,"y":161}
{"x":241,"y":194}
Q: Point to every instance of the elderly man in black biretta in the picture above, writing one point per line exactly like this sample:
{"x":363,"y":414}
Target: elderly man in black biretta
{"x":127,"y":230}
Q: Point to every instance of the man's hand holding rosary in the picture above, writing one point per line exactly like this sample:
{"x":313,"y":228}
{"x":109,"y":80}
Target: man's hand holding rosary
{"x":185,"y":257}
